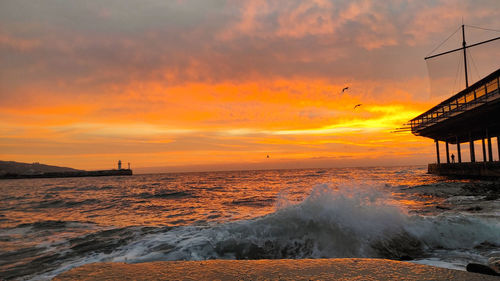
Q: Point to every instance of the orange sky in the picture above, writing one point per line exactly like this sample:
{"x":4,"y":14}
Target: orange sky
{"x":210,"y":84}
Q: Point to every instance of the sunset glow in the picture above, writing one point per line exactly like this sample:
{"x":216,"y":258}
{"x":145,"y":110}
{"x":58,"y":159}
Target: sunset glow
{"x":207,"y":85}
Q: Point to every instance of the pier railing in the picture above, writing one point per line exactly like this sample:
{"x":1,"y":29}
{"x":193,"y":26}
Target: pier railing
{"x":484,"y":91}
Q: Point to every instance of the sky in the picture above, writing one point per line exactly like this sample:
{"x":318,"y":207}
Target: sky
{"x":215,"y":85}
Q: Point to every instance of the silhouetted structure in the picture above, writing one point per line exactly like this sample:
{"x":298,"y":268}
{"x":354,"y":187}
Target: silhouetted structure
{"x":16,"y":170}
{"x":470,"y":115}
{"x":77,"y":174}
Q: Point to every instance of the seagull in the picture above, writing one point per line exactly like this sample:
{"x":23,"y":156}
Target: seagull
{"x":357,"y":105}
{"x":345,"y":89}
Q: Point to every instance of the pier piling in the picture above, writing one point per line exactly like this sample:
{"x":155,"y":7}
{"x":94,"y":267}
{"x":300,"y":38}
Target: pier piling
{"x":490,"y":152}
{"x":484,"y":150}
{"x":437,"y":151}
{"x":498,"y":147}
{"x":471,"y":148}
{"x":447,"y":153}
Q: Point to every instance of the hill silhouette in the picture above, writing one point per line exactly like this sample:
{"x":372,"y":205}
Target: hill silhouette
{"x":19,"y":168}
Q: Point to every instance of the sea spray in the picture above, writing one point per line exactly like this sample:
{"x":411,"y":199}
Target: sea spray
{"x":339,"y":221}
{"x":452,"y":231}
{"x":333,"y":221}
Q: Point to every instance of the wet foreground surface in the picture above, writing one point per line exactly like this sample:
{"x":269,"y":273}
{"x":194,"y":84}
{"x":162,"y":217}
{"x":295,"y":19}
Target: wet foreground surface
{"x":318,"y":269}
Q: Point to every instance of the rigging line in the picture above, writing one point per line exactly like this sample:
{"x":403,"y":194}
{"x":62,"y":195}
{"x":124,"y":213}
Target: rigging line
{"x":477,"y":27}
{"x":474,"y":64}
{"x":458,"y":74}
{"x":443,"y":42}
{"x":459,"y":49}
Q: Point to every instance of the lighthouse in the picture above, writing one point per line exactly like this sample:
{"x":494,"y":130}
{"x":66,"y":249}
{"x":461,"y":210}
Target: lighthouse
{"x":119,"y":164}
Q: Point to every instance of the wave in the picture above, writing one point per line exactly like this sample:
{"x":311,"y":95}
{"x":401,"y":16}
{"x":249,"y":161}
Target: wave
{"x":166,"y":194}
{"x":253,"y":201}
{"x":342,"y":222}
{"x":43,"y":225}
{"x":350,"y":220}
{"x":60,"y":203}
{"x":96,"y":188}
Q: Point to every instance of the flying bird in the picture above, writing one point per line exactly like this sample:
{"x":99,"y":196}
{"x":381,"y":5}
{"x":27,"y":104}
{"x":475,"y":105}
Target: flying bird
{"x":357,"y":105}
{"x":345,"y":89}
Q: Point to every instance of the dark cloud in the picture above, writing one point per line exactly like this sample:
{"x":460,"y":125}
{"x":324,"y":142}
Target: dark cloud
{"x":90,"y":45}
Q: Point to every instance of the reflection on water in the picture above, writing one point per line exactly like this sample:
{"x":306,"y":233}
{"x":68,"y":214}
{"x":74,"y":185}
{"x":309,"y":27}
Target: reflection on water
{"x":50,"y":225}
{"x":159,"y":200}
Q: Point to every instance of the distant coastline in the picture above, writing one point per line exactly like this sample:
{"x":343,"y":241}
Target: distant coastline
{"x":18,"y":170}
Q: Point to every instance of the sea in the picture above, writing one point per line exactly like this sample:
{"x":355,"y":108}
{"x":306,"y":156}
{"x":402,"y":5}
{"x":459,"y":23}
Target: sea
{"x":48,"y":226}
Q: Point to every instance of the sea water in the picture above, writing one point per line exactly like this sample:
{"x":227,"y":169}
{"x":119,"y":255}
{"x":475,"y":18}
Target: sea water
{"x":48,"y":226}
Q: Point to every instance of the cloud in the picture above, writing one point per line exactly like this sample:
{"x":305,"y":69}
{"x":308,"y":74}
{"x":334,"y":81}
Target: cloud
{"x":74,"y":45}
{"x":195,"y":79}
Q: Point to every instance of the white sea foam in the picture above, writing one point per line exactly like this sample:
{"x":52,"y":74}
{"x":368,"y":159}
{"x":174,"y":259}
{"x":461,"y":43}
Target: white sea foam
{"x":344,"y":221}
{"x":348,"y":220}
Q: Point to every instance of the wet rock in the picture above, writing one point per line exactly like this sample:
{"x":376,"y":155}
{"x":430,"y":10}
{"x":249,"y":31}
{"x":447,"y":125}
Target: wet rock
{"x":486,"y":245}
{"x":405,"y":258}
{"x":492,"y":196}
{"x":400,"y":247}
{"x":269,"y":250}
{"x":480,"y":268}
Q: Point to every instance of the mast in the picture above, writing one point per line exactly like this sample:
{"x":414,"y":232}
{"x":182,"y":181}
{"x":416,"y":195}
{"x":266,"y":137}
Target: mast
{"x":464,"y":49}
{"x":465,"y":57}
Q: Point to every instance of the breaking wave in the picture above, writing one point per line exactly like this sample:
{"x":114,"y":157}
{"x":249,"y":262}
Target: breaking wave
{"x":332,"y":222}
{"x":329,"y":223}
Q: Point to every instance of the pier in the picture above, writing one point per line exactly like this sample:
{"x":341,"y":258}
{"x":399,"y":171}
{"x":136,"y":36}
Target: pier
{"x":471,"y":115}
{"x":75,"y":174}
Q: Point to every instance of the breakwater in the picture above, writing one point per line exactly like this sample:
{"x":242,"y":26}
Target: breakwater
{"x":70,"y":174}
{"x":466,"y":170}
